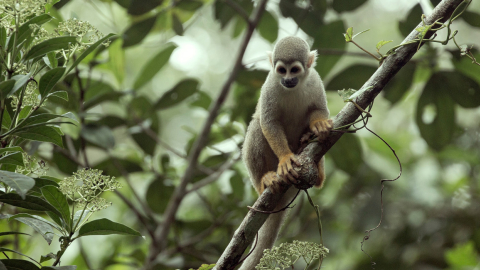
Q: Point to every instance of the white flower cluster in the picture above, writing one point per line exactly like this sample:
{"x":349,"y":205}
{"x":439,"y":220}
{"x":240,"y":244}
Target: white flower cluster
{"x":287,"y":254}
{"x":85,"y":186}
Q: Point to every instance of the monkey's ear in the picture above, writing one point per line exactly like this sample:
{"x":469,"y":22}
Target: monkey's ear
{"x":270,"y":58}
{"x":312,"y":59}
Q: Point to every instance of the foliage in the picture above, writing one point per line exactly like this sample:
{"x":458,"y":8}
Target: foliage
{"x":33,"y":61}
{"x":287,"y":254}
{"x":136,"y":108}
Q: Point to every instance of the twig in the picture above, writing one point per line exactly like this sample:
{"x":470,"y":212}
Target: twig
{"x":212,"y":177}
{"x":169,"y":216}
{"x":152,"y":134}
{"x":239,"y":10}
{"x":279,"y":210}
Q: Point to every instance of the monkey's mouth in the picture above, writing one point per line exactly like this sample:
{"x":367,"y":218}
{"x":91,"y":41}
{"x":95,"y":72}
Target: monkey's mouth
{"x":289,"y":83}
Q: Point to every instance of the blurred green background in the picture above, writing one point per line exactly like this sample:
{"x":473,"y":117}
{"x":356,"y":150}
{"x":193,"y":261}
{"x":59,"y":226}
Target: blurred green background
{"x":148,"y":96}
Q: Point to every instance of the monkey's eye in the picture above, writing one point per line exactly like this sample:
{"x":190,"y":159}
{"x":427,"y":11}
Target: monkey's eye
{"x":281,"y":70}
{"x":294,"y":70}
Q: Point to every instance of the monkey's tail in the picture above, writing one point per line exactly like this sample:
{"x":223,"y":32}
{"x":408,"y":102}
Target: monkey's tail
{"x":268,"y":232}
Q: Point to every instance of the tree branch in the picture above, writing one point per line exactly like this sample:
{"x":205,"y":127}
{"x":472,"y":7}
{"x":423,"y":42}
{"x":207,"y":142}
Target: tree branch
{"x":245,"y":234}
{"x":162,"y":231}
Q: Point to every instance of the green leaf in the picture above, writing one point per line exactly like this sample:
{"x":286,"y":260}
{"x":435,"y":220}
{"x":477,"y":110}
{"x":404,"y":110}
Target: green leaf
{"x":24,"y":112}
{"x":117,"y":60}
{"x":347,"y":5}
{"x":51,"y":60}
{"x":180,"y":92}
{"x":154,"y":66}
{"x":347,"y":154}
{"x":349,"y":34}
{"x":14,"y":251}
{"x":50,"y":45}
{"x":60,"y":94}
{"x":463,"y":90}
{"x":105,"y":227}
{"x":20,"y":81}
{"x":189,"y":5}
{"x":3,"y":37}
{"x":5,"y":88}
{"x":139,"y":7}
{"x":346,"y":94}
{"x":138,"y":31}
{"x":400,"y":83}
{"x":352,"y":77}
{"x":43,"y":228}
{"x":29,"y":202}
{"x":327,"y":37}
{"x":25,"y":32}
{"x":112,"y":166}
{"x":44,"y":181}
{"x":10,"y":233}
{"x":15,"y":158}
{"x":471,"y":18}
{"x":359,"y":33}
{"x":268,"y":27}
{"x":11,"y":149}
{"x":177,"y":24}
{"x":41,"y":134}
{"x":49,"y":79}
{"x":58,"y":200}
{"x":462,"y":256}
{"x":436,"y":125}
{"x":7,"y":120}
{"x":202,"y":100}
{"x":158,"y":195}
{"x":43,"y":118}
{"x":77,"y":216}
{"x":48,"y":257}
{"x":100,"y":136}
{"x":206,"y":266}
{"x":90,"y":49}
{"x":381,"y":43}
{"x":25,"y":215}
{"x":16,"y":264}
{"x":19,"y":182}
{"x":412,"y":20}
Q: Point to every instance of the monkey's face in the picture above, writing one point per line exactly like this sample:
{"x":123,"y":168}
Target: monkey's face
{"x":290,"y":74}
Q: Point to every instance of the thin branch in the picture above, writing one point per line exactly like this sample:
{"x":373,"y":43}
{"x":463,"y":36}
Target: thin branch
{"x":177,"y":197}
{"x":152,"y":134}
{"x":212,"y":177}
{"x":137,"y":213}
{"x":239,"y":10}
{"x":245,"y":234}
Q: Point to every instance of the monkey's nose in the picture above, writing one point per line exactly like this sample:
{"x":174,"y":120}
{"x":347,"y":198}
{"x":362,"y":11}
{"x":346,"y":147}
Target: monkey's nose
{"x":289,"y":83}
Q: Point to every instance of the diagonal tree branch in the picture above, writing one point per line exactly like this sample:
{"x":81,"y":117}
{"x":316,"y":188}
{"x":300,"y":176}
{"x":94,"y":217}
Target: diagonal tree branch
{"x":245,"y":234}
{"x":169,"y":216}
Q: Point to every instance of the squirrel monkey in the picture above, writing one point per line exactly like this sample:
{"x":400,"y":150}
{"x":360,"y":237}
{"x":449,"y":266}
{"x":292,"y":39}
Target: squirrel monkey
{"x":292,"y":102}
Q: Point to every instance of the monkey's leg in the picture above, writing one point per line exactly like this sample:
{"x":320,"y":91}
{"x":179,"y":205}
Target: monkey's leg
{"x":269,"y":231}
{"x":321,"y":173}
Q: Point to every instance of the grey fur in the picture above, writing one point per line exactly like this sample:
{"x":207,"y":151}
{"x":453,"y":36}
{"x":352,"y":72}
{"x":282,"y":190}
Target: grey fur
{"x":286,"y":111}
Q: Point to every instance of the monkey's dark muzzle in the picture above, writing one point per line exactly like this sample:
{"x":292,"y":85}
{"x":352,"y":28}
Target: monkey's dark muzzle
{"x":289,"y":83}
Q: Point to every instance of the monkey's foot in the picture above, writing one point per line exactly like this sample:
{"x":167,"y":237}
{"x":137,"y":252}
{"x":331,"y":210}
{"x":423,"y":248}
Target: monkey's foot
{"x":306,"y":137}
{"x":271,"y":180}
{"x":321,"y":128}
{"x":285,"y":168}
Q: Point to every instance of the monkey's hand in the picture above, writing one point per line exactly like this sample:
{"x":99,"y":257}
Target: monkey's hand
{"x":321,"y":128}
{"x":285,"y":169}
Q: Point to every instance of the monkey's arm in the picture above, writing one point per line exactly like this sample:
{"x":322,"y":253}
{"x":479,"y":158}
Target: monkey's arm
{"x":277,"y":140}
{"x":320,"y":124}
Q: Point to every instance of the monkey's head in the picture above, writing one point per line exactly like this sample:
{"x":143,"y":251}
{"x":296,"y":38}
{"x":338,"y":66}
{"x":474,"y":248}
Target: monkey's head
{"x":291,"y":61}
